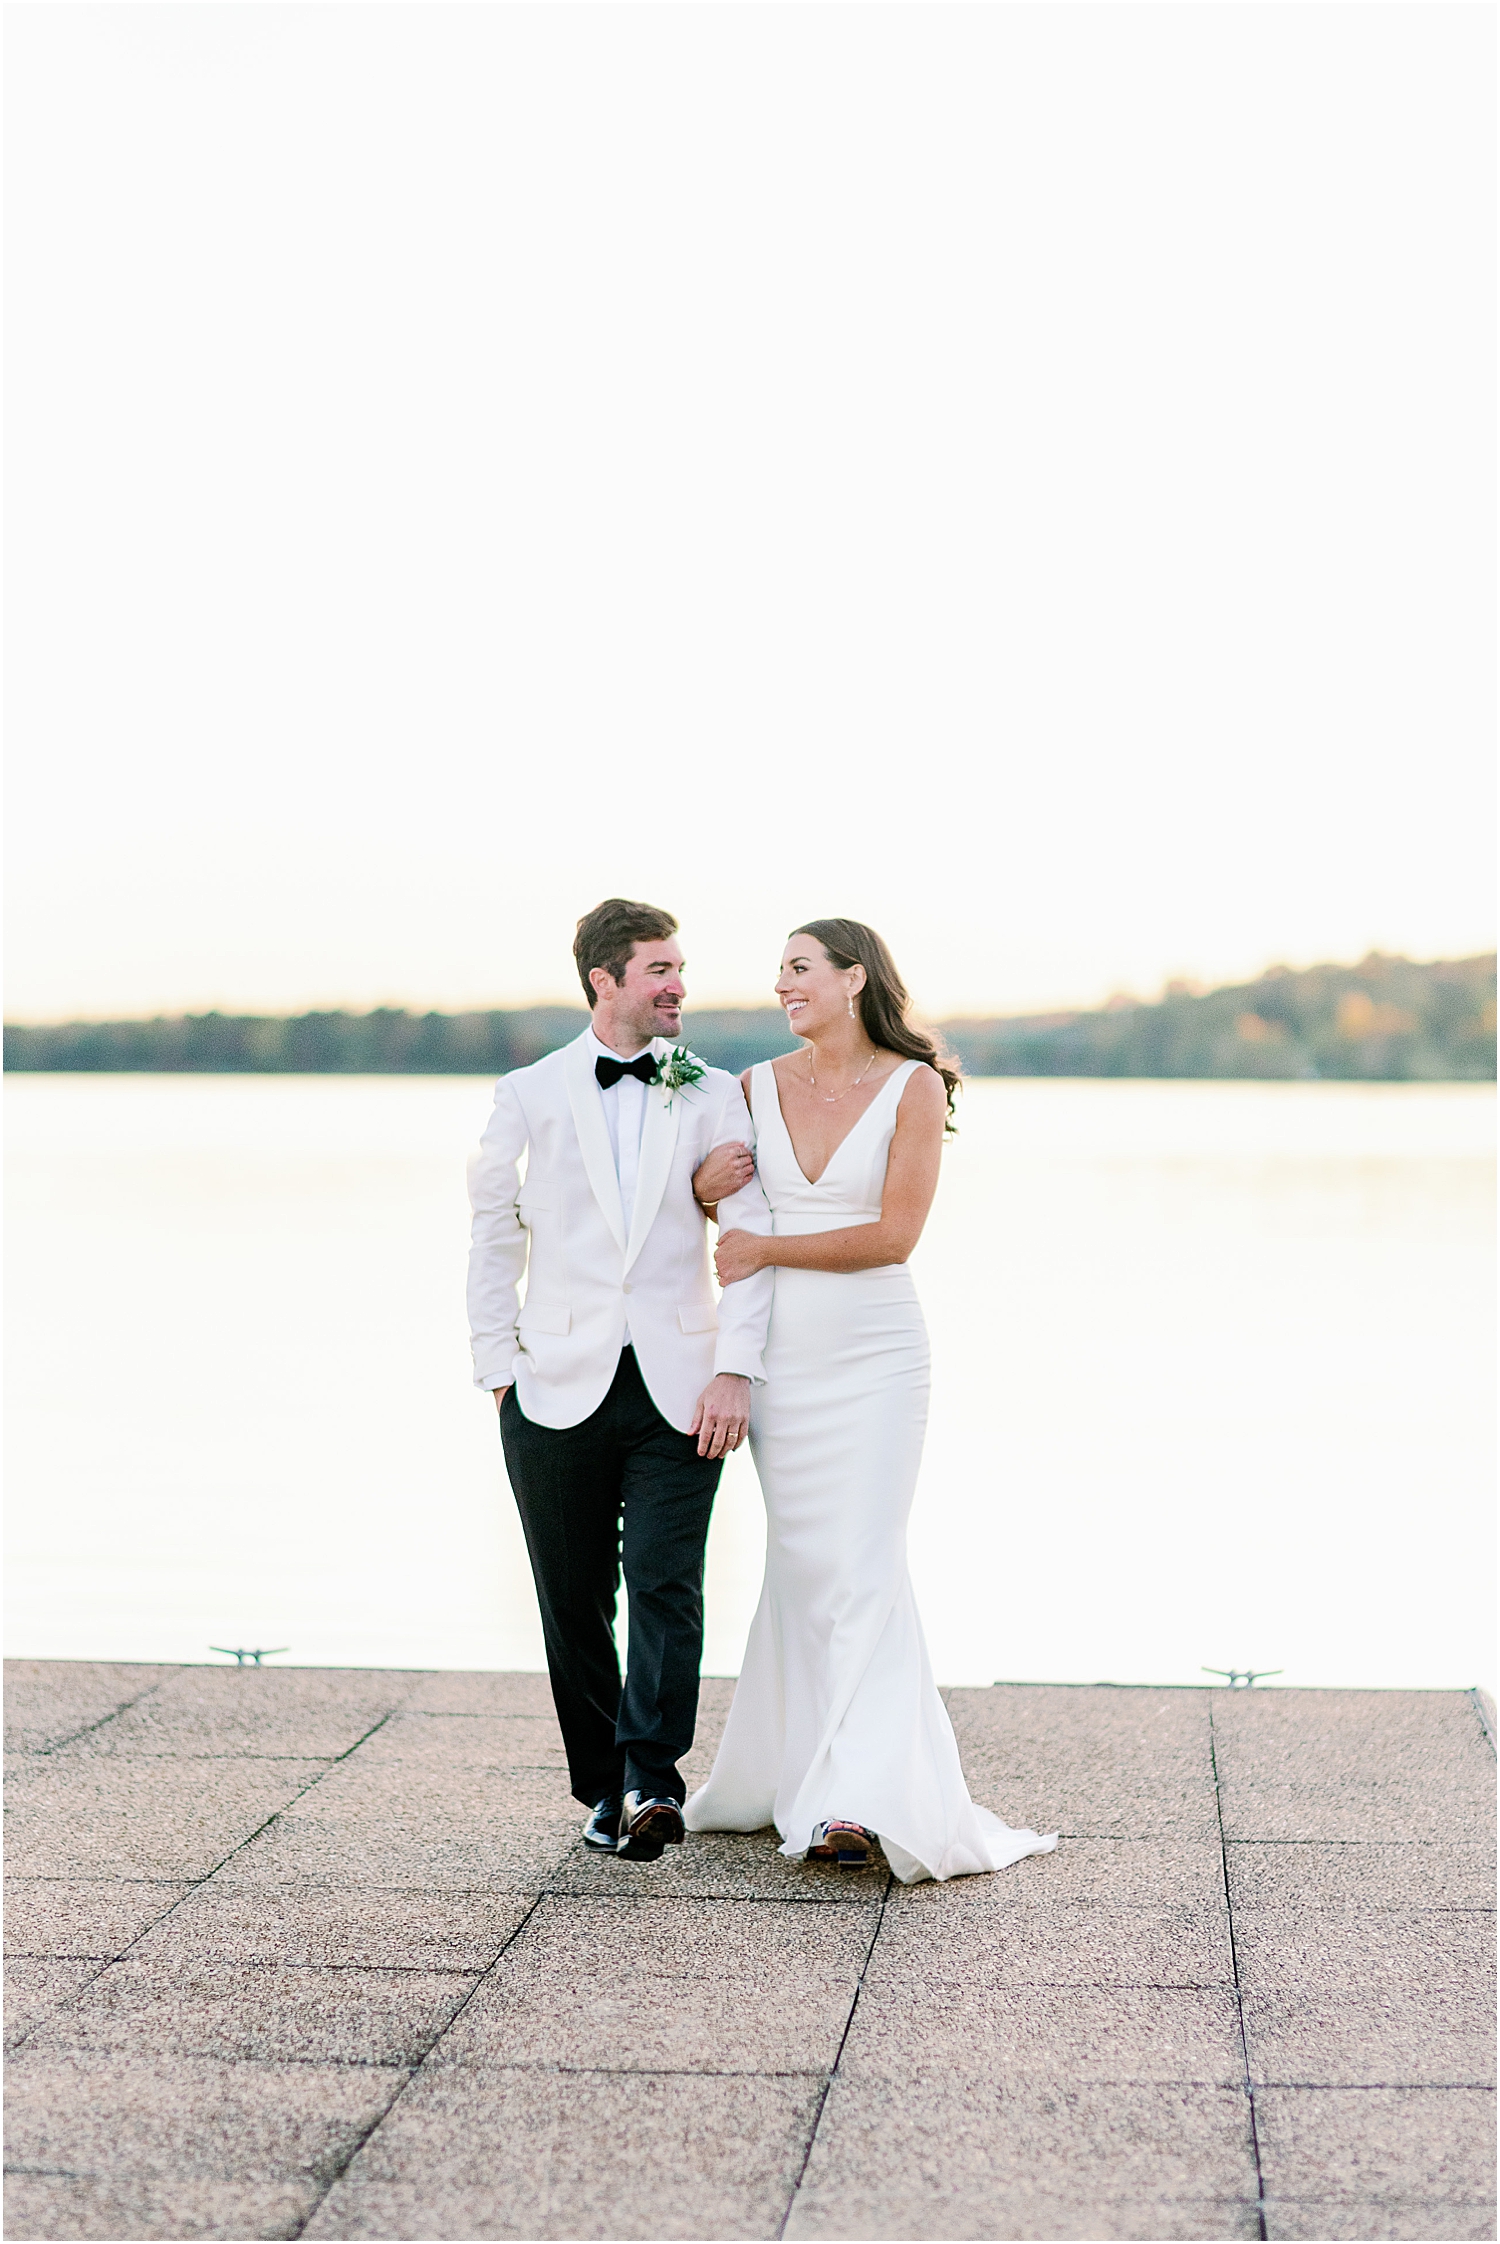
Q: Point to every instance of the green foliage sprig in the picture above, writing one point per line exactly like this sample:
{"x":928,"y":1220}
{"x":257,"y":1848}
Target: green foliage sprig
{"x":677,"y":1071}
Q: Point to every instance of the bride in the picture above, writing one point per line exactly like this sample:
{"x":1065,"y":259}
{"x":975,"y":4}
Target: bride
{"x":837,"y":1733}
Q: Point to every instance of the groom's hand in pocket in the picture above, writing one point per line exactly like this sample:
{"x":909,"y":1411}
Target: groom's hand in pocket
{"x":722,"y":1418}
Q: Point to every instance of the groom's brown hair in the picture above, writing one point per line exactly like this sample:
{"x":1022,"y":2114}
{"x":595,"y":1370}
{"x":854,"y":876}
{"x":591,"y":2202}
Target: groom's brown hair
{"x":609,"y":933}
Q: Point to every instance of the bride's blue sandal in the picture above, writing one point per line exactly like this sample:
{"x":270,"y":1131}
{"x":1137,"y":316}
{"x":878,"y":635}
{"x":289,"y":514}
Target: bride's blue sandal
{"x":848,"y":1844}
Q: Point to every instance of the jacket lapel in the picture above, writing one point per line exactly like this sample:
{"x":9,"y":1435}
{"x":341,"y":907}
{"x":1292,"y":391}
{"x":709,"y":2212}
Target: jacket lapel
{"x":593,"y":1135}
{"x":658,"y":1144}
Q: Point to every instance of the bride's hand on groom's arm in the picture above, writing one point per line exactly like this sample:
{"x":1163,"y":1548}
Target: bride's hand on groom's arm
{"x":723,"y":1172}
{"x":739,"y":1254}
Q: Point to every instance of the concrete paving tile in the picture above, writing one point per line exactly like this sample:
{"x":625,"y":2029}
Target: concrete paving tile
{"x":49,"y":1700}
{"x":715,"y":1693}
{"x":614,"y":2209}
{"x":481,"y":2152}
{"x":1087,"y":1764}
{"x":514,"y":1725}
{"x":144,"y":1819}
{"x":1437,"y":2036}
{"x":406,"y":1825}
{"x":310,"y":1713}
{"x":1393,"y":1951}
{"x":1106,"y":1808}
{"x":1373,"y":1810}
{"x":264,"y":2013}
{"x":1353,"y":1877}
{"x":1098,"y":1763}
{"x":1372,"y":2223}
{"x":695,"y":1767}
{"x":1014,"y":2210}
{"x":528,"y":1698}
{"x":43,"y":2206}
{"x":1167,"y":2035}
{"x":36,"y":1986}
{"x":783,"y":2020}
{"x":303,"y":1852}
{"x":323,"y":1925}
{"x":677,"y":1938}
{"x":1020,"y":1776}
{"x":1038,"y":1945}
{"x":1415,"y":1738}
{"x":192,"y":2119}
{"x":466,"y":1691}
{"x":25,"y":1771}
{"x":717,"y":1866}
{"x":1120,"y":1873}
{"x":369,"y":1791}
{"x":715,"y":1697}
{"x":960,"y":2155}
{"x":468,"y":1741}
{"x":1136,"y":1763}
{"x":83,"y":1916}
{"x":1410,"y":2146}
{"x":1140,"y":1734}
{"x":1080,"y":1874}
{"x":937,"y":2134}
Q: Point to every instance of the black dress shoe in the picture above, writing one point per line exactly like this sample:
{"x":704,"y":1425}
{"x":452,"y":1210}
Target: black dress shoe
{"x":603,"y":1827}
{"x":647,"y":1826}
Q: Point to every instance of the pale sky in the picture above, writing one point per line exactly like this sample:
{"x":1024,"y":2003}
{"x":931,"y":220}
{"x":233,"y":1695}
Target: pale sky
{"x":1020,"y":475}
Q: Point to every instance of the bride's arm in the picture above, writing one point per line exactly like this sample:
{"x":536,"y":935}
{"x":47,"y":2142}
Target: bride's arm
{"x":911,"y":1178}
{"x":727,"y":1169}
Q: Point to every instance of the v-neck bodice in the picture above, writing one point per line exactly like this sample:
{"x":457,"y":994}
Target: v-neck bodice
{"x":850,"y":1189}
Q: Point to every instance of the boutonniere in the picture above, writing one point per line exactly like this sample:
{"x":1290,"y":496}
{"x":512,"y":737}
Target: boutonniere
{"x":676,"y":1071}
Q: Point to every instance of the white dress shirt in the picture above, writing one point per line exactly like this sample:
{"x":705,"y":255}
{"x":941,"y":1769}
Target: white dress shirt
{"x":624,"y":1115}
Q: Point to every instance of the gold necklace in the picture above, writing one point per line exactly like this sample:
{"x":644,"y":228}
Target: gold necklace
{"x":831,"y":1098}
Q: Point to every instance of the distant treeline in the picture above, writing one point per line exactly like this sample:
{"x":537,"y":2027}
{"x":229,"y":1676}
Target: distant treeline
{"x":1385,"y":1020}
{"x":385,"y":1042}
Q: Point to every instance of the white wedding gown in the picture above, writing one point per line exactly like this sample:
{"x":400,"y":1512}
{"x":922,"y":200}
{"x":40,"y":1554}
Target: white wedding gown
{"x":836,"y":1712}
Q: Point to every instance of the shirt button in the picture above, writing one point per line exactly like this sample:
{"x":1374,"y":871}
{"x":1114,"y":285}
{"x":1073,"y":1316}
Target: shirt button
{"x":627,"y":1285}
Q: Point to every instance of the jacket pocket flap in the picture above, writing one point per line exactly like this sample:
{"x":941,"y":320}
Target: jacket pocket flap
{"x":541,"y":1200}
{"x":539,"y":1317}
{"x":701,"y":1317}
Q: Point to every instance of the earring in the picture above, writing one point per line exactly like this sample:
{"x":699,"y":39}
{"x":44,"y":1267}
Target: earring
{"x":851,"y":1005}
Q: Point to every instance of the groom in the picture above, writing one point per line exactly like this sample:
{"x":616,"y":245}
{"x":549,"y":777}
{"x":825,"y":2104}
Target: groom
{"x":621,"y":1383}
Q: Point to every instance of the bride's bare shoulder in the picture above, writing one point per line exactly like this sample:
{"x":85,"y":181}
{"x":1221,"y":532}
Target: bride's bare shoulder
{"x":923,"y":1093}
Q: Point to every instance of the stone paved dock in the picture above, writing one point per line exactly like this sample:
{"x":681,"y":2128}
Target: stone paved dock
{"x":317,"y":1953}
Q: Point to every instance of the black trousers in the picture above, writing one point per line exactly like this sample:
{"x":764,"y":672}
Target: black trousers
{"x":622,"y":1484}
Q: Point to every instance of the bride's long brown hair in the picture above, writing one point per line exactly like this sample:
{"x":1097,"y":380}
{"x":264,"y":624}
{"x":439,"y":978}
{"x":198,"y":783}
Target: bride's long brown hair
{"x":883,"y":1002}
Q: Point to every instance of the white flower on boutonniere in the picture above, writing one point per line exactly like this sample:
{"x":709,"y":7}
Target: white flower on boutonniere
{"x":676,"y":1071}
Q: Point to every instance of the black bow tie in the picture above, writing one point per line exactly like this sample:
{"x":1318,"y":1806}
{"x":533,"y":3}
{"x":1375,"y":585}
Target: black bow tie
{"x":610,"y":1071}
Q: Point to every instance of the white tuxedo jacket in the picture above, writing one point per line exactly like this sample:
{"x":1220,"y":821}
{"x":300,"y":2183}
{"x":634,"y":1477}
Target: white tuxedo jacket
{"x":562,"y":1225}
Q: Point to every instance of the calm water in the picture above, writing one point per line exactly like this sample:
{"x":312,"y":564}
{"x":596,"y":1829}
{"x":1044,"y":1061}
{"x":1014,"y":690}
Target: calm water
{"x":1212,"y":1370}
